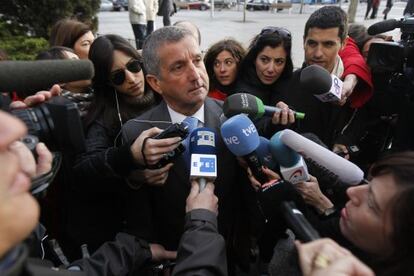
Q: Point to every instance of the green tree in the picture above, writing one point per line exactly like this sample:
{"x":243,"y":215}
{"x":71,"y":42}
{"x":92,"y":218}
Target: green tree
{"x":35,"y":17}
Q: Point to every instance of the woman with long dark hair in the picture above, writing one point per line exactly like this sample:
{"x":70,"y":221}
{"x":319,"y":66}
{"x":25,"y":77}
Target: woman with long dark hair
{"x":120,"y":94}
{"x":267,"y":66}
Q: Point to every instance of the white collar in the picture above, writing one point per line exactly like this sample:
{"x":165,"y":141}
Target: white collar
{"x":178,"y":117}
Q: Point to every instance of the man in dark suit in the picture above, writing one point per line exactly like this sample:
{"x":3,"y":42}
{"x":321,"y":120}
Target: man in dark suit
{"x":175,"y":70}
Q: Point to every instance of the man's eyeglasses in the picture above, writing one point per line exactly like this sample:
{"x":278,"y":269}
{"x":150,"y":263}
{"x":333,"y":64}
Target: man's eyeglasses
{"x":284,"y":33}
{"x":117,"y":77}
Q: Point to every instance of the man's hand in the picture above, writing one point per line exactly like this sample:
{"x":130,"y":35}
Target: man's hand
{"x":202,"y":200}
{"x":285,"y":117}
{"x":155,"y":177}
{"x":339,"y":148}
{"x":271,"y":175}
{"x":159,"y":253}
{"x":27,"y":161}
{"x":154,"y":149}
{"x":312,"y":194}
{"x":348,"y":86}
{"x":38,"y":98}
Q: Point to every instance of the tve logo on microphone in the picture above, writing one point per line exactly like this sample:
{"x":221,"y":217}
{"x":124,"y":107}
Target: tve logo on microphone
{"x":249,"y":130}
{"x":204,"y":165}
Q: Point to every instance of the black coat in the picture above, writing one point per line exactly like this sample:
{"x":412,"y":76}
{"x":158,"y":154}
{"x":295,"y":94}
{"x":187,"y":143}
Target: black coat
{"x":160,"y":211}
{"x":201,"y":252}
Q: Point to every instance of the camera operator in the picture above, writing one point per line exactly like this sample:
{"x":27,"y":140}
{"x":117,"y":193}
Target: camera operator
{"x":19,"y":213}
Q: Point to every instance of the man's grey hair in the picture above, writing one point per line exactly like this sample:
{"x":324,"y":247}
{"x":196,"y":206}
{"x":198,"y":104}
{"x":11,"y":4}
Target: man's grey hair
{"x":150,"y":50}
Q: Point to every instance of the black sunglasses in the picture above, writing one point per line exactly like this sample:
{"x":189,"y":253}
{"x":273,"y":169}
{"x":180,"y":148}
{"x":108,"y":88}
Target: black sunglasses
{"x":284,"y":33}
{"x":117,"y":77}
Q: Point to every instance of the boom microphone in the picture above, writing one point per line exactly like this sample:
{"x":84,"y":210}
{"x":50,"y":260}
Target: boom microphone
{"x":292,"y":166}
{"x":242,"y":139}
{"x":318,"y":81}
{"x":32,"y":76}
{"x":203,"y":165}
{"x":345,"y":171}
{"x":252,"y":106}
{"x":383,"y":26}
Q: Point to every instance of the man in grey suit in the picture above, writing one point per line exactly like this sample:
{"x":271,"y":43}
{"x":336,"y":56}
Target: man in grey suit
{"x":175,"y":69}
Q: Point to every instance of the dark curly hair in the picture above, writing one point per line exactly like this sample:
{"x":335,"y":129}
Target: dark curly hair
{"x":230,"y":45}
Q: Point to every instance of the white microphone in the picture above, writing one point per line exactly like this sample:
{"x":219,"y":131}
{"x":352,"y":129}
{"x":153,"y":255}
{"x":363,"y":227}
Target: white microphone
{"x":324,"y":86}
{"x":345,"y":170}
{"x":203,"y":164}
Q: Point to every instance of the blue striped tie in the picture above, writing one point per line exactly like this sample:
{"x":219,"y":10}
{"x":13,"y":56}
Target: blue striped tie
{"x":192,"y":123}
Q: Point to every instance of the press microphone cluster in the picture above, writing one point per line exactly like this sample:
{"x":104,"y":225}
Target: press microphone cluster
{"x":318,"y":81}
{"x":32,"y":76}
{"x":203,"y":166}
{"x":343,"y":169}
{"x":252,"y":106}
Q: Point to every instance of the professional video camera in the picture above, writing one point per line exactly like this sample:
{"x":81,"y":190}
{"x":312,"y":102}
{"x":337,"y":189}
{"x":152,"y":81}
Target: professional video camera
{"x":393,"y":57}
{"x":55,"y":122}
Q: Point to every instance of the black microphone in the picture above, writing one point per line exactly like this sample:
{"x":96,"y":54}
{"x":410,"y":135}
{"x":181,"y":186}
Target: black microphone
{"x":279,"y":202}
{"x":383,"y":26}
{"x":32,"y":76}
{"x":298,"y":223}
{"x":323,"y":85}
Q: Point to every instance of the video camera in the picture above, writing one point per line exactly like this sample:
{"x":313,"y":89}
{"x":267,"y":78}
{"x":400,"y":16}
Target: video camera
{"x":392,"y":56}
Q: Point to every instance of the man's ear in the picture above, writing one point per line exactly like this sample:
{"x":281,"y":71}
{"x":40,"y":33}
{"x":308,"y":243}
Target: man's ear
{"x":154,"y":83}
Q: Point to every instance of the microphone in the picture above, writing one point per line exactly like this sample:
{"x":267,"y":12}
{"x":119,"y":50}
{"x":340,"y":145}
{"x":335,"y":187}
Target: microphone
{"x":298,"y":223}
{"x":318,"y":81}
{"x":383,"y":26}
{"x":265,"y":156}
{"x":32,"y":76}
{"x":252,"y":106}
{"x":325,"y":159}
{"x":292,"y":166}
{"x":278,"y":203}
{"x":242,"y":139}
{"x":203,"y":164}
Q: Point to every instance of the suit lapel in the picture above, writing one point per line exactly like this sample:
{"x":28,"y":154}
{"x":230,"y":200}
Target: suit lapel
{"x":179,"y":171}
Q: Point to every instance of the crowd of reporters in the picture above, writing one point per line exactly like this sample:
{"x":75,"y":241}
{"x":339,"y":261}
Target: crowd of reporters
{"x":123,"y":204}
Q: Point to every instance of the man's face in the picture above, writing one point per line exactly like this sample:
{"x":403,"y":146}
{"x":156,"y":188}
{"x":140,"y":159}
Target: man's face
{"x":365,"y":220}
{"x":183,"y":81}
{"x":322,"y":46}
{"x":19,"y":211}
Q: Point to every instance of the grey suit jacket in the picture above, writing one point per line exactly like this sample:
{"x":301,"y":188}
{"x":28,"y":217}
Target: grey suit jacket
{"x":159,"y":211}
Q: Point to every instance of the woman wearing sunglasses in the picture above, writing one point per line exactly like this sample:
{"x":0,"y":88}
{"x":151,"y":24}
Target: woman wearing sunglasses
{"x":222,"y":62}
{"x":267,"y":65}
{"x":120,"y":94}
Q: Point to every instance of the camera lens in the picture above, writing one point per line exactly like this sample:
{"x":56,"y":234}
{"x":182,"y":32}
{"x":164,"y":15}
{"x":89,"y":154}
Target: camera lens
{"x":37,"y":120}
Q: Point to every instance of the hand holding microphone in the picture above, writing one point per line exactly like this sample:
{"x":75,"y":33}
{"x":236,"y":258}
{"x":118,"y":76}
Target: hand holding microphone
{"x":204,"y":199}
{"x":152,"y":149}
